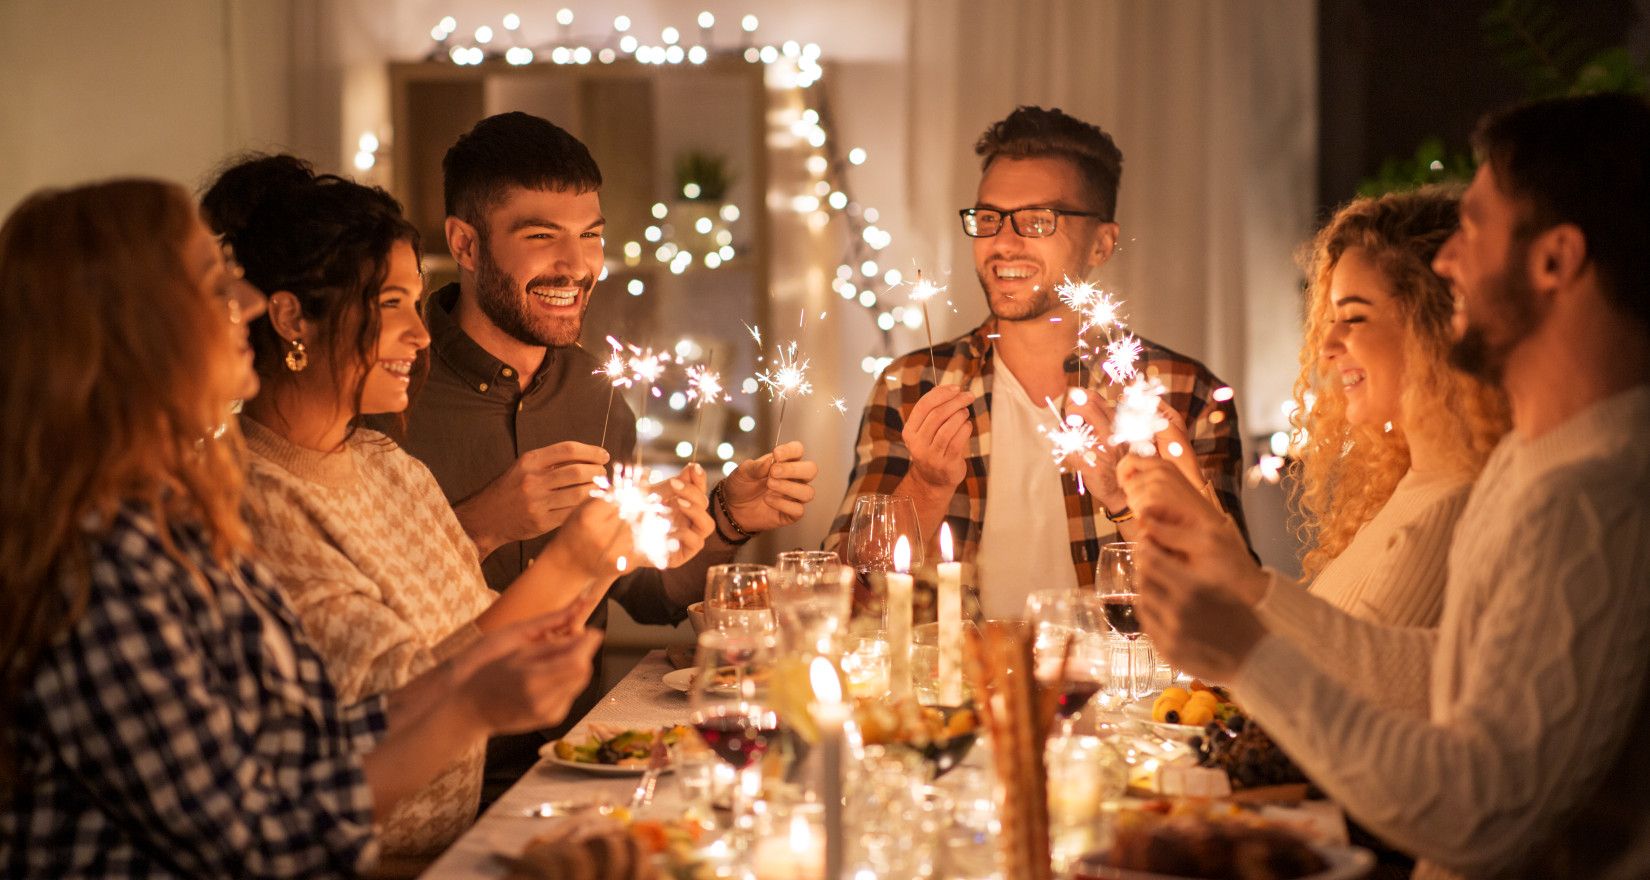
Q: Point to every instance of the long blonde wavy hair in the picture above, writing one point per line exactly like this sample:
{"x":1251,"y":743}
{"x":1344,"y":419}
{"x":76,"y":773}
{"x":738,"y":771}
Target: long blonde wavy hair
{"x":112,"y":358}
{"x":1349,"y":472}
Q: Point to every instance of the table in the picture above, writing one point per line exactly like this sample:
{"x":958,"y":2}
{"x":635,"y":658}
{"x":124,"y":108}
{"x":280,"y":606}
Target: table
{"x":639,"y":700}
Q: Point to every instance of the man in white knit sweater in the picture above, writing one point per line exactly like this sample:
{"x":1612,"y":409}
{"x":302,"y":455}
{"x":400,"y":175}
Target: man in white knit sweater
{"x":1532,"y":762}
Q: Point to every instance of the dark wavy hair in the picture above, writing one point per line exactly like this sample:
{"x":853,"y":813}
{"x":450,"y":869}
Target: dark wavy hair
{"x":1036,"y":133}
{"x":322,"y":238}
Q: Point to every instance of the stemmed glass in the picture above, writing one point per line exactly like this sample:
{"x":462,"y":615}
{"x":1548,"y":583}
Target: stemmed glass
{"x":877,"y":524}
{"x":812,"y":595}
{"x":728,"y":706}
{"x":737,"y":599}
{"x":1069,"y":647}
{"x":1118,"y":584}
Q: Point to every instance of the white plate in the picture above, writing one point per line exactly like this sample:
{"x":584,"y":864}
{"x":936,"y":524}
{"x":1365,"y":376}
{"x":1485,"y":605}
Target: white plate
{"x":1140,"y":712}
{"x":679,"y":679}
{"x":548,"y":752}
{"x":1345,"y":863}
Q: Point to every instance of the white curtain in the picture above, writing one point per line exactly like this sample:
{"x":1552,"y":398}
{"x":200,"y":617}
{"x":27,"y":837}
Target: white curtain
{"x":1213,"y":105}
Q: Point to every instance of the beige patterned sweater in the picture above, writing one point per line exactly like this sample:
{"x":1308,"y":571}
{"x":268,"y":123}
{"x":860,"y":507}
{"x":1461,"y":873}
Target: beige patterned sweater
{"x":387,"y":584}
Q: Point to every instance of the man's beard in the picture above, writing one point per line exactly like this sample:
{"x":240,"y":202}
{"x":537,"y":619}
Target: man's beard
{"x":504,"y":302}
{"x":1021,"y":308}
{"x":1508,"y":311}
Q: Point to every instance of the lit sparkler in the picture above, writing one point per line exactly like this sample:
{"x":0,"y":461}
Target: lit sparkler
{"x":1074,"y":437}
{"x":640,"y":508}
{"x":704,"y":386}
{"x":615,"y":372}
{"x":1121,"y":355}
{"x":787,"y":378}
{"x":922,"y":291}
{"x":1137,"y":418}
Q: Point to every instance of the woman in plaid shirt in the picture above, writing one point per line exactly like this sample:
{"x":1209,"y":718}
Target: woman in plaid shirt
{"x":169,"y":716}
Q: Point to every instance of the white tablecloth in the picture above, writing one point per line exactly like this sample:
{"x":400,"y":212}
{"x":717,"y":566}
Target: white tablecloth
{"x":639,"y":700}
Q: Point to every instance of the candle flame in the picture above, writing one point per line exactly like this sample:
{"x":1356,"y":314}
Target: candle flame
{"x":822,"y":675}
{"x":945,"y":541}
{"x":902,"y":555}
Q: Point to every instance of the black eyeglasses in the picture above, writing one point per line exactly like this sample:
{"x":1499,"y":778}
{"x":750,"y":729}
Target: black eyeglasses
{"x":1028,"y":222}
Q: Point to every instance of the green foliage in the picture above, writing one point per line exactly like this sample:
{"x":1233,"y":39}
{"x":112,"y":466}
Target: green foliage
{"x":707,"y":170}
{"x":1539,"y":45}
{"x":1432,"y":163}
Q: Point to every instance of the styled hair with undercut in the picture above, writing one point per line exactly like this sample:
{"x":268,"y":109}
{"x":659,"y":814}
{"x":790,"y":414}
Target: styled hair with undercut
{"x":512,"y":150}
{"x":1035,"y":133}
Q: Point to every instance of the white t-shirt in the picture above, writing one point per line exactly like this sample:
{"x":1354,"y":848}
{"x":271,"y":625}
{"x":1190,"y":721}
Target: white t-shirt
{"x":1024,"y":545}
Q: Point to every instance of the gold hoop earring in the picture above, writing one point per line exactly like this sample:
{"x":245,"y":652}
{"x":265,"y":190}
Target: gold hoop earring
{"x":297,"y":359}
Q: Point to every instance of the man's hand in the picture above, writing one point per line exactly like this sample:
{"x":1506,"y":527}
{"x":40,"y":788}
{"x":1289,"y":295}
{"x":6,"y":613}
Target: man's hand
{"x":937,"y":435}
{"x":769,"y":492}
{"x":535,"y":495}
{"x":1206,"y":632}
{"x":690,"y":517}
{"x":1176,"y":518}
{"x":1099,"y":467}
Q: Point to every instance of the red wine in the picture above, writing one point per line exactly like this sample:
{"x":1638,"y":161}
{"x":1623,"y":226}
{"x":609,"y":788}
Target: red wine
{"x":1075,"y":696}
{"x":1120,"y":613}
{"x":736,"y":739}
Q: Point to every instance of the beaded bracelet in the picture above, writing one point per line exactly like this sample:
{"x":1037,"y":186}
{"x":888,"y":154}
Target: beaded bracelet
{"x":727,"y":514}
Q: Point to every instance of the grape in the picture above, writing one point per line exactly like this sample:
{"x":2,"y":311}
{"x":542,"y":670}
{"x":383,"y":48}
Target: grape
{"x":1246,"y":753}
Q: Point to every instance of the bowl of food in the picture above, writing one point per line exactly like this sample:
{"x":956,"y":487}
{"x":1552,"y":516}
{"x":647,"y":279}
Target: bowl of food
{"x":696,"y":617}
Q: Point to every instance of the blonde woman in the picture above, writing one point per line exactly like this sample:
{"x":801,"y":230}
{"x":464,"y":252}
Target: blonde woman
{"x":166,"y":714}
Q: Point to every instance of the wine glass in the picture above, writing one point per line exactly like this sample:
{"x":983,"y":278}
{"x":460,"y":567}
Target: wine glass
{"x":728,"y":707}
{"x":1118,"y":584}
{"x":1069,"y":647}
{"x":877,"y":524}
{"x":812,"y":595}
{"x":737,"y":599}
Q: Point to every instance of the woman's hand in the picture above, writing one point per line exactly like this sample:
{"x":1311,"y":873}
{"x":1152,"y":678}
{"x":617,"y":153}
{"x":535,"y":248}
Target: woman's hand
{"x":1191,"y":530}
{"x":528,"y":674}
{"x":689,"y":513}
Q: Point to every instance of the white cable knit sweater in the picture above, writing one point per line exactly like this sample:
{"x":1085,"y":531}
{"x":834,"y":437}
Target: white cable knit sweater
{"x":1532,"y":761}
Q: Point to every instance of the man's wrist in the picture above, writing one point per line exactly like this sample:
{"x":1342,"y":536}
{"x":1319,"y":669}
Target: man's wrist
{"x":473,"y":521}
{"x":735,"y":534}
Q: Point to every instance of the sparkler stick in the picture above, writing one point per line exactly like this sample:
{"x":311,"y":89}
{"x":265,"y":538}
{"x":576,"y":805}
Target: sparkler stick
{"x":1074,"y":436}
{"x":614,"y":371}
{"x":922,"y":291}
{"x":645,"y":367}
{"x":703,"y":386}
{"x":788,"y":377}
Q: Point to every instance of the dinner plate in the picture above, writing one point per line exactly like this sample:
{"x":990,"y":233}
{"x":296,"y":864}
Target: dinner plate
{"x":679,"y":679}
{"x":548,"y":752}
{"x":1345,"y":863}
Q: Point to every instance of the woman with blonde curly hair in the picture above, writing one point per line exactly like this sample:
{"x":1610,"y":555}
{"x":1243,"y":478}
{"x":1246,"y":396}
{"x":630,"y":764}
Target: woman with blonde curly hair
{"x":167,"y":715}
{"x":1393,"y":436}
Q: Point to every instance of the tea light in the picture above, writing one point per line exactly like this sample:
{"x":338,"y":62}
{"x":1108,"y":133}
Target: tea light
{"x":799,"y":855}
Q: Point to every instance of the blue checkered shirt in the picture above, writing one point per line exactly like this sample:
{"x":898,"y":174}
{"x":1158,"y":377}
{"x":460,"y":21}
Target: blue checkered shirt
{"x":160,"y":737}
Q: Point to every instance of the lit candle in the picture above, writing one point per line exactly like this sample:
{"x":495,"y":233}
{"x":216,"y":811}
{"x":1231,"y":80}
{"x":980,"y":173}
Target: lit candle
{"x":950,"y":617}
{"x":899,"y":622}
{"x":830,"y":714}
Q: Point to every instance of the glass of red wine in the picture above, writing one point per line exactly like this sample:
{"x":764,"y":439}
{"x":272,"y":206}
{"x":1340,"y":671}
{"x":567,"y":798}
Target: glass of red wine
{"x":728,"y":707}
{"x":1069,"y":647}
{"x":877,"y":524}
{"x":1118,"y":584}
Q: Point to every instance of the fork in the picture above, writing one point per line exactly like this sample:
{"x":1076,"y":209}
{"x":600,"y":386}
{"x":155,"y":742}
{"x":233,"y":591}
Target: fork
{"x":658,"y":759}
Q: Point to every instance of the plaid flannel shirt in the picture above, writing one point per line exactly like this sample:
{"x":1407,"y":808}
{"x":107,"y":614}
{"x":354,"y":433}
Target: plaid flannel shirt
{"x":881,"y":459}
{"x":158,"y":736}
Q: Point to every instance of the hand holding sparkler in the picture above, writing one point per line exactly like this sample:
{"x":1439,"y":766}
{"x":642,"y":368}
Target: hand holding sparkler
{"x":533,"y":496}
{"x":936,"y":434}
{"x":768,"y":492}
{"x":1178,"y":518}
{"x":690,"y":517}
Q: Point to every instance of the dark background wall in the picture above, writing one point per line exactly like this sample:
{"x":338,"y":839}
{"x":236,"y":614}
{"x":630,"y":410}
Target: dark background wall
{"x":1393,"y":72}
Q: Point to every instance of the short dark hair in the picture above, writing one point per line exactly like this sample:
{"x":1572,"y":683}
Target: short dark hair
{"x":1035,"y":133}
{"x":512,"y":150}
{"x":1582,"y":160}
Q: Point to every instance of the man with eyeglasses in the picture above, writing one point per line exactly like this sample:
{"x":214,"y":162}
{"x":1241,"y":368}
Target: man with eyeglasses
{"x":967,"y":444}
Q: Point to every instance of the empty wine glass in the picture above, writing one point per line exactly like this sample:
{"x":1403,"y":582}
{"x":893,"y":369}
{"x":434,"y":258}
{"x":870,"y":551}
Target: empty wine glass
{"x":737,"y":598}
{"x":1069,"y":632}
{"x":812,"y":594}
{"x":877,"y":524}
{"x":1118,"y":584}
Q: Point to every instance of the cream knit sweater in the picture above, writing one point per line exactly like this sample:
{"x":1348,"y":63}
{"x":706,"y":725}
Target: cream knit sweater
{"x":387,"y":584}
{"x":1391,"y":575}
{"x":1531,"y":760}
